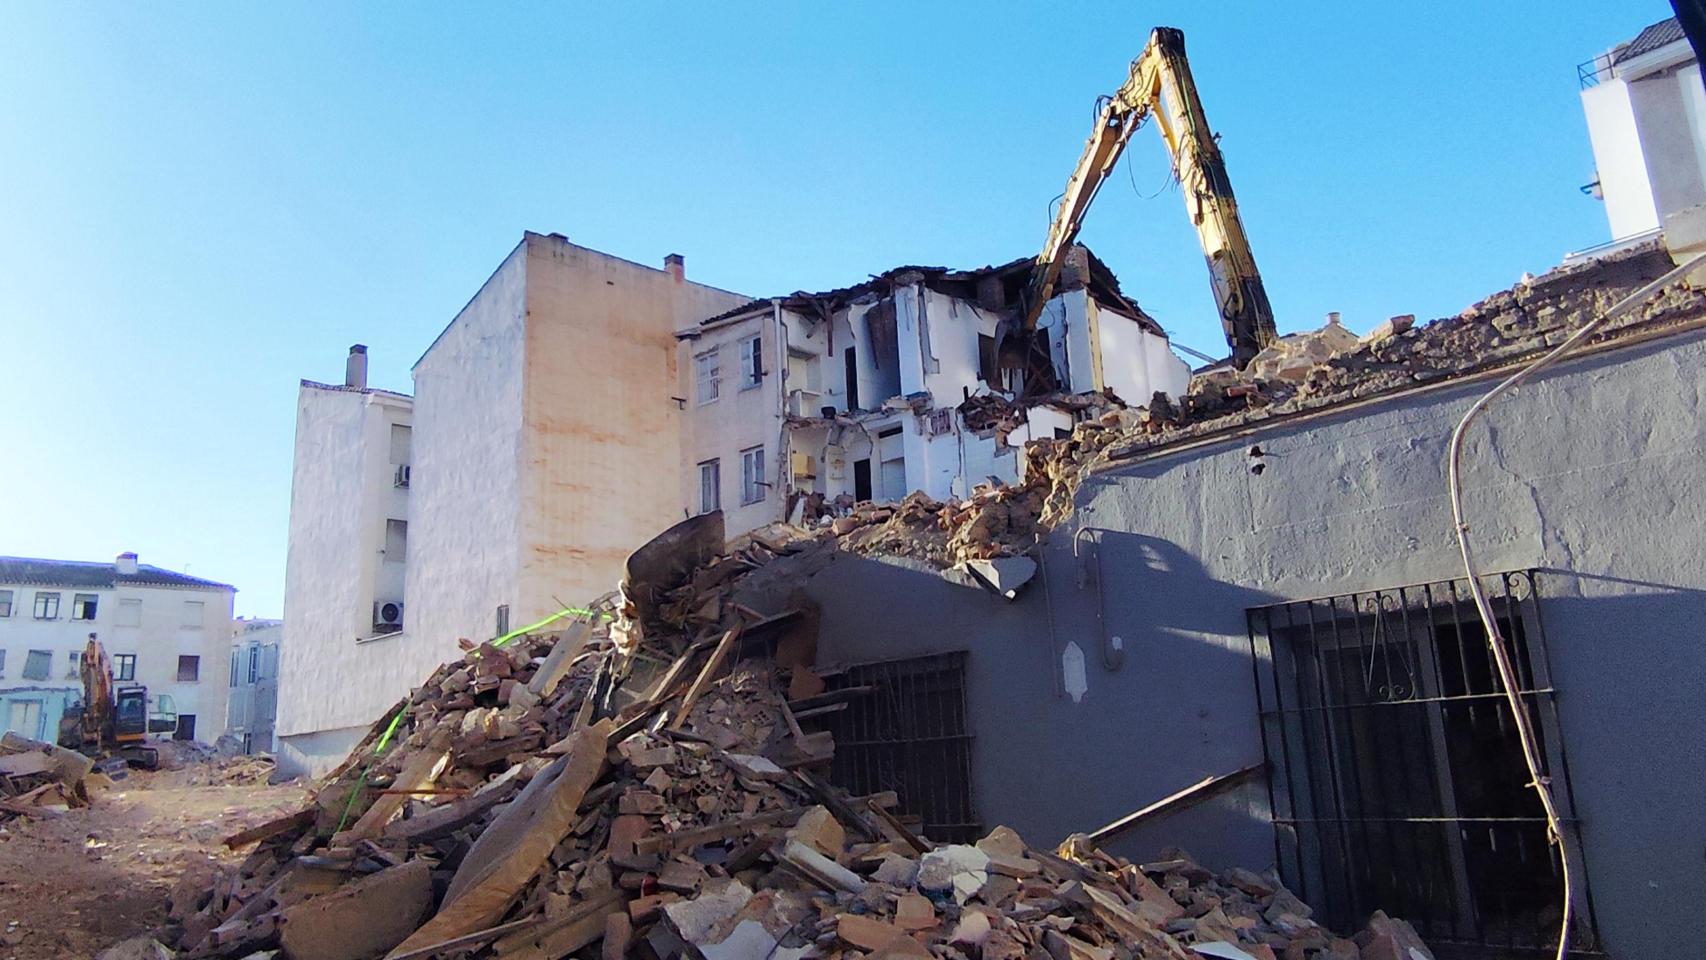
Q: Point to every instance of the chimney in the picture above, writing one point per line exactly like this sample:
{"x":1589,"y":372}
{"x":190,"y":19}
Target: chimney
{"x":676,"y":266}
{"x":355,"y":368}
{"x":125,"y":564}
{"x":1333,"y":318}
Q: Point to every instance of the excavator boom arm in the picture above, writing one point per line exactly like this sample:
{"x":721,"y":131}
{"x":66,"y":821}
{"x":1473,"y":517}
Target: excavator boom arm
{"x":1160,"y":85}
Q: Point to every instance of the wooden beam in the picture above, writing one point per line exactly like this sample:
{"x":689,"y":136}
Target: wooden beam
{"x":706,"y":675}
{"x":1195,"y":793}
{"x":271,"y":828}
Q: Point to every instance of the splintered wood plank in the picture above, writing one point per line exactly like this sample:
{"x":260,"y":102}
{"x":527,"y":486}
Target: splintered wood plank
{"x":510,"y":851}
{"x":421,"y":770}
{"x":706,"y":675}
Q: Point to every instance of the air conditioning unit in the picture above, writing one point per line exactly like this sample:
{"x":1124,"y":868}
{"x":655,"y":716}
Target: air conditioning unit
{"x":402,"y":478}
{"x":388,"y":615}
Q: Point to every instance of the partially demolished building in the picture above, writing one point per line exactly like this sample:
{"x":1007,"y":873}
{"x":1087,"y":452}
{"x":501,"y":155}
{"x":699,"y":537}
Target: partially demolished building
{"x":803,"y":405}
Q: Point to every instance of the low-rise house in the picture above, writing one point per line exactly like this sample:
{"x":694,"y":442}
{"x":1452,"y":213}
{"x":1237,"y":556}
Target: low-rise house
{"x":912,"y":380}
{"x":253,"y":706}
{"x":164,"y":630}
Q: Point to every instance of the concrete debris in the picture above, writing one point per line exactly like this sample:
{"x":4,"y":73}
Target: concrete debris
{"x":39,"y":779}
{"x":659,"y":798}
{"x":136,"y":948}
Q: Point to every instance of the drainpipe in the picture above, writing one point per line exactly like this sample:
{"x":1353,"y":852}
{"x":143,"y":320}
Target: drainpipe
{"x":783,"y":439}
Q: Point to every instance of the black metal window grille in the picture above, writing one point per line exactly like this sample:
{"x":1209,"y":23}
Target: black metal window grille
{"x":910,"y":734}
{"x":1395,"y":771}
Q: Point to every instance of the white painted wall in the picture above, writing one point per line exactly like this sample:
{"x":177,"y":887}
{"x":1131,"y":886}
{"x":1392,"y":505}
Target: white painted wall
{"x":332,"y":674}
{"x":1135,"y":363}
{"x":1623,"y":183}
{"x":466,"y":529}
{"x":166,"y":628}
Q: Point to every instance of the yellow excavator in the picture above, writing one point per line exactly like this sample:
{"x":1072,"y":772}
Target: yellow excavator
{"x":1160,"y":86}
{"x":110,"y":723}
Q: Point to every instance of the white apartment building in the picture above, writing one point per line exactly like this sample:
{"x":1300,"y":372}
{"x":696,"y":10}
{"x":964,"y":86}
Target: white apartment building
{"x":253,"y":706}
{"x":863,"y":392}
{"x":164,"y":630}
{"x":1646,"y":116}
{"x":344,"y":567}
{"x":543,"y":446}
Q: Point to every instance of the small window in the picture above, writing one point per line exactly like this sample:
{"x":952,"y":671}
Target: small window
{"x":710,"y":486}
{"x":396,"y":541}
{"x":254,"y":664}
{"x":503,"y":620}
{"x":124,"y":666}
{"x":192,"y":613}
{"x":83,"y":606}
{"x":706,"y":376}
{"x":5,"y":603}
{"x":751,"y":362}
{"x":130,"y":613}
{"x":988,"y":369}
{"x":189,"y":669}
{"x":72,"y":660}
{"x":2,"y":663}
{"x":233,"y":668}
{"x":38,"y":665}
{"x":47,"y":605}
{"x":752,"y":475}
{"x":400,"y":443}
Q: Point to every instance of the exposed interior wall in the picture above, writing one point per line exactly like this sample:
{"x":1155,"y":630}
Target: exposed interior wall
{"x":1135,"y":363}
{"x":600,"y":456}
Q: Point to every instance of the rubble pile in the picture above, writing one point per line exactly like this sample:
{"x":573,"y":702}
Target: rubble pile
{"x":40,"y":779}
{"x":640,"y":785}
{"x":1328,"y":366}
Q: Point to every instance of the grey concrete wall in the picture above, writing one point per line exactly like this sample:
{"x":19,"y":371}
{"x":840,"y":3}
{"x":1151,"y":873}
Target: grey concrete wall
{"x":1591,"y":474}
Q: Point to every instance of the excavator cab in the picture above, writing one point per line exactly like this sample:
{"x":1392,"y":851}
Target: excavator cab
{"x":130,"y":715}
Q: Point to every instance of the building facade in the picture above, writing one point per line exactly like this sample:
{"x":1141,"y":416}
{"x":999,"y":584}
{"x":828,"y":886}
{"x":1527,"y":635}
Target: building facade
{"x":1646,"y":115}
{"x":543,"y":445}
{"x":164,"y":630}
{"x":911,"y":381}
{"x":1283,"y":595}
{"x":253,"y":707}
{"x":347,"y":552}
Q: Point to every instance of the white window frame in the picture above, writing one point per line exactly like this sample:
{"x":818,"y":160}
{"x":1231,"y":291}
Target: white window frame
{"x":5,"y":603}
{"x":711,"y":493}
{"x":46,"y":605}
{"x":752,"y":475}
{"x":707,"y":376}
{"x":45,"y":658}
{"x":120,"y":662}
{"x":76,"y":659}
{"x":752,"y":362}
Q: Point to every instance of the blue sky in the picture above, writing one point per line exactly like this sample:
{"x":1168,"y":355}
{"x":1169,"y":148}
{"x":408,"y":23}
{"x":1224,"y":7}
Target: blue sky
{"x":202,"y":203}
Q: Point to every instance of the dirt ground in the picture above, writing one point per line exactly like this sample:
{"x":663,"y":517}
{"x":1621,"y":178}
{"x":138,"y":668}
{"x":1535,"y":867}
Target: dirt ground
{"x":72,"y":885}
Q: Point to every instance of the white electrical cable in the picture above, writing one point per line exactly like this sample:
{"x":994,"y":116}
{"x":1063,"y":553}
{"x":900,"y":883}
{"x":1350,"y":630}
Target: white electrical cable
{"x":1507,"y":674}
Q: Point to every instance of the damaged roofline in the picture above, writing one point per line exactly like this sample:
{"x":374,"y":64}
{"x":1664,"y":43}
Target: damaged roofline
{"x":1121,"y":460}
